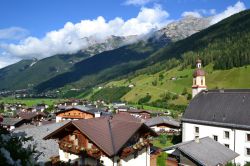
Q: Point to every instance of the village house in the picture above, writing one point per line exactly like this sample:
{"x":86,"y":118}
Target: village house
{"x":220,"y":114}
{"x":200,"y":152}
{"x":79,"y":112}
{"x":164,"y":124}
{"x":143,"y":114}
{"x":12,"y":123}
{"x":32,"y":117}
{"x":117,"y":140}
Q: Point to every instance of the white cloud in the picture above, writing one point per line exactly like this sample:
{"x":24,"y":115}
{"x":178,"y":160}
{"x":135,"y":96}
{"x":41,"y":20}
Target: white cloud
{"x":6,"y":60}
{"x":13,"y":33}
{"x":239,"y":6}
{"x":199,"y":13}
{"x":72,"y":37}
{"x":191,"y":13}
{"x":137,"y":2}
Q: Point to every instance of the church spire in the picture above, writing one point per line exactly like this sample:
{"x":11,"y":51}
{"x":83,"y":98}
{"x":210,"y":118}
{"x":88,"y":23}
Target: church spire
{"x":199,"y":80}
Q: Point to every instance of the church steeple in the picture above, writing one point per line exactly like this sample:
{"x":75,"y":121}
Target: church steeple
{"x":199,"y":80}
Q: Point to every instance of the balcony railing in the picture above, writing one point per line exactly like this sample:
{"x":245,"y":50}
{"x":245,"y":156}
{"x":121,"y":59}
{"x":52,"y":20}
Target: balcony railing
{"x":75,"y":149}
{"x":134,"y":148}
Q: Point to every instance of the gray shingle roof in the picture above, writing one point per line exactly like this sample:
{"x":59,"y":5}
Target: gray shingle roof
{"x":162,"y":120}
{"x":227,"y":108}
{"x":47,"y":147}
{"x":11,"y":121}
{"x":207,"y":152}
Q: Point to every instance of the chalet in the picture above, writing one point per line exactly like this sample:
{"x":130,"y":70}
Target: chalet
{"x":143,"y":114}
{"x":118,"y":140}
{"x":32,"y":117}
{"x":79,"y":112}
{"x":223,"y":115}
{"x":163,"y":124}
{"x":12,"y":123}
{"x":201,"y":152}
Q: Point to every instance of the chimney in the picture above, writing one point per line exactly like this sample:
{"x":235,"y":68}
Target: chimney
{"x":197,"y":139}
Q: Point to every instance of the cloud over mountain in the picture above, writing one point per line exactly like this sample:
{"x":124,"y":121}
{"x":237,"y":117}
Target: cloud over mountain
{"x":13,"y":33}
{"x":238,"y":7}
{"x":72,"y":37}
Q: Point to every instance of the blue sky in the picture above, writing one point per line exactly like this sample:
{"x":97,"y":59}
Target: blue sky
{"x":28,"y":25}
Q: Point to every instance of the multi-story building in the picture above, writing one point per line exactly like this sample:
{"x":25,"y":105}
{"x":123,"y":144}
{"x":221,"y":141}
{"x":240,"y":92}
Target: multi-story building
{"x":223,"y":115}
{"x":109,"y":141}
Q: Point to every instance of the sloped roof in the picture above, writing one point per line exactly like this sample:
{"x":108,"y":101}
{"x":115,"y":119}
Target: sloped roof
{"x":48,"y":148}
{"x":162,"y":120}
{"x":109,"y":134}
{"x":90,"y":110}
{"x":227,"y":108}
{"x":207,"y":152}
{"x":11,"y":121}
{"x":30,"y":115}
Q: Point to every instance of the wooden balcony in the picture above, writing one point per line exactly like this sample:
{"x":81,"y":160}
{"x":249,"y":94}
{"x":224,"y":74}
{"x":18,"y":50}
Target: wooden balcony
{"x":78,"y":150}
{"x":134,"y":148}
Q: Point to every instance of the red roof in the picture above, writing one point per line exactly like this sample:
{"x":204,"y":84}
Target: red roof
{"x":109,"y":134}
{"x":198,"y":72}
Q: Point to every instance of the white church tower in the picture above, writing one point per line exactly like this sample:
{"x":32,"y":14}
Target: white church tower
{"x":199,"y":82}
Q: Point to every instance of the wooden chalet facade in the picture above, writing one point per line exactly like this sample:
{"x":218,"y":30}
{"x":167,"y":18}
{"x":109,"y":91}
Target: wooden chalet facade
{"x":104,"y":141}
{"x":78,"y":112}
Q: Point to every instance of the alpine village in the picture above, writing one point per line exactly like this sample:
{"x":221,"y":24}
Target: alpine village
{"x":175,"y":95}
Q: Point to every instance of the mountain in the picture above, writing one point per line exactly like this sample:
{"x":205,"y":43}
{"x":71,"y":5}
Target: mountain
{"x":96,"y":69}
{"x":30,"y":73}
{"x":182,"y":29}
{"x":167,"y":74}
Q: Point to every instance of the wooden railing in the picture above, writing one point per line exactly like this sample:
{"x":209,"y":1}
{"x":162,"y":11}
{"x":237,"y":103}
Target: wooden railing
{"x":134,"y":148}
{"x":75,"y":149}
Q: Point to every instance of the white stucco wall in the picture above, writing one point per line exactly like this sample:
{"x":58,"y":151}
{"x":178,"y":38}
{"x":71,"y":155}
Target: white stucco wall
{"x":143,"y":159}
{"x":157,"y":129}
{"x":64,"y":156}
{"x":188,"y":133}
{"x":58,"y":119}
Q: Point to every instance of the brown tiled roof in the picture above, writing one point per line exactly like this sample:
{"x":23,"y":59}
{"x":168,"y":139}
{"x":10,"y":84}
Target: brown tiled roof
{"x":109,"y":134}
{"x":30,"y":115}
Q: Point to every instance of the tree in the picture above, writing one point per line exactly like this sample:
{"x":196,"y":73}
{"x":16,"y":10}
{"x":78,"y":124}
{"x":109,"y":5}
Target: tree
{"x":12,"y":151}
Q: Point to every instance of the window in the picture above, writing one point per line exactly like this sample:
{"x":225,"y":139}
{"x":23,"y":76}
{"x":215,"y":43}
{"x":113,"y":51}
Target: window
{"x":248,"y":151}
{"x":248,"y":137}
{"x":202,"y":81}
{"x":197,"y":130}
{"x":226,"y":134}
{"x":226,"y":145}
{"x":215,"y":137}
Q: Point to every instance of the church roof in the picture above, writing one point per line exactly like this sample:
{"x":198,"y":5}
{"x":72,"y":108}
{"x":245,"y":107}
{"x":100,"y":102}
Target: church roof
{"x":198,"y":72}
{"x":226,"y":108}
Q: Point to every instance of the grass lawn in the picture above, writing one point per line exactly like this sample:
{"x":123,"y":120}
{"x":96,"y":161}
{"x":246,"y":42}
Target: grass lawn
{"x":29,"y":101}
{"x":156,"y":142}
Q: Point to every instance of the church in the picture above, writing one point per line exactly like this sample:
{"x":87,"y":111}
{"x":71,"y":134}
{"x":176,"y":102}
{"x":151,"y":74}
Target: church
{"x":223,"y":115}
